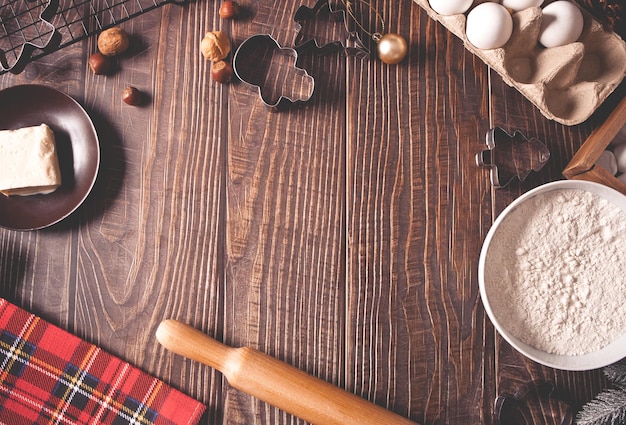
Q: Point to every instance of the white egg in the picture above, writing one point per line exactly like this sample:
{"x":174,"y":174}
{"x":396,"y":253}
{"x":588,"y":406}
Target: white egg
{"x":620,"y":157}
{"x":620,"y":137}
{"x":608,"y":162}
{"x":561,"y":24}
{"x":489,"y":26}
{"x":450,"y":7}
{"x":521,"y":4}
{"x":622,"y":178}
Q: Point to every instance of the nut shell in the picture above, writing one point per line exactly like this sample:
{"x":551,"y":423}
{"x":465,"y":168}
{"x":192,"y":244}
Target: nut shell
{"x":132,"y":96}
{"x":222,"y":72}
{"x":99,"y":63}
{"x":113,"y":41}
{"x":215,"y":46}
{"x":229,"y":10}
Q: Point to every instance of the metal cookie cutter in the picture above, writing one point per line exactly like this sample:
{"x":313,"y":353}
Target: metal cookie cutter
{"x":534,"y":402}
{"x":305,"y":13}
{"x":262,"y":63}
{"x":509,"y":156}
{"x":20,"y":39}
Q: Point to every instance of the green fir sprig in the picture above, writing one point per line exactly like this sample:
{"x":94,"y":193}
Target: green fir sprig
{"x":616,"y":373}
{"x":609,"y":406}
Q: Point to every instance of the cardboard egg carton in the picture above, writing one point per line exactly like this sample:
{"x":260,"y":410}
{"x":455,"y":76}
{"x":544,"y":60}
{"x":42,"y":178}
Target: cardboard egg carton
{"x":566,"y":83}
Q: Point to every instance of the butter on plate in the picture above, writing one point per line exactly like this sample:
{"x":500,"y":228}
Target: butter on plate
{"x":28,"y":161}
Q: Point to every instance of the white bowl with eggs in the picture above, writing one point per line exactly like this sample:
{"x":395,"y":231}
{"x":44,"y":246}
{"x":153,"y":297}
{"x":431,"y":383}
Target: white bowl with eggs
{"x":551,"y":278}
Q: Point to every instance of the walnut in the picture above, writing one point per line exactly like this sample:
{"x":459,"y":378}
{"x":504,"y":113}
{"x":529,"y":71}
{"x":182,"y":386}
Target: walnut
{"x":215,"y":46}
{"x":113,"y":41}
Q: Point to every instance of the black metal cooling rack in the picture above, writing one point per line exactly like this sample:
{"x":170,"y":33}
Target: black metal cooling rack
{"x":30,"y":29}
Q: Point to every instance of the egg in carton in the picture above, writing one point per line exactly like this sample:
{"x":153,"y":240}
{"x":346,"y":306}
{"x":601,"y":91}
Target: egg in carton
{"x":566,"y":83}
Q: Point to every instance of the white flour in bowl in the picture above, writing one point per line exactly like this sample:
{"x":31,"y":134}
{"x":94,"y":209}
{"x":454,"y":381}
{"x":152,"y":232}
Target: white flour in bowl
{"x":556,"y":272}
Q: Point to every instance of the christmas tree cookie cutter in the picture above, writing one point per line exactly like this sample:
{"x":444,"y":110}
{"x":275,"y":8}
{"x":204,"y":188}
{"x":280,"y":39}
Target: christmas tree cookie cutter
{"x":510,"y":156}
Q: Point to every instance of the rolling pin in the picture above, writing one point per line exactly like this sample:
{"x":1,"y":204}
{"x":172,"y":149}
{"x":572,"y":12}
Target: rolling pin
{"x":275,"y":382}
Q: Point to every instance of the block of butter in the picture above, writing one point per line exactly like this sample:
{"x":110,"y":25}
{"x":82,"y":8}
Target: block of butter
{"x":28,"y":161}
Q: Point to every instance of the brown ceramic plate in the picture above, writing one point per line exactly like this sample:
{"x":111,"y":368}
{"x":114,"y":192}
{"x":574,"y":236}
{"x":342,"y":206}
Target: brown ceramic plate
{"x":78,"y":151}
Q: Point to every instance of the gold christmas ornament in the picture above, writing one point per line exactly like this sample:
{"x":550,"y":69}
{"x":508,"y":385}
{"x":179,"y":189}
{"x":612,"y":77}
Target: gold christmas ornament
{"x":391,"y":48}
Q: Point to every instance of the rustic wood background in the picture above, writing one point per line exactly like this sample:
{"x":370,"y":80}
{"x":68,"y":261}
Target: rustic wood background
{"x":341,"y":236}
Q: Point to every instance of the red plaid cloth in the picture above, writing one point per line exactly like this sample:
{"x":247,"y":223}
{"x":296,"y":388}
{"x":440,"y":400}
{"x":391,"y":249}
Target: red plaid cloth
{"x":48,"y":376}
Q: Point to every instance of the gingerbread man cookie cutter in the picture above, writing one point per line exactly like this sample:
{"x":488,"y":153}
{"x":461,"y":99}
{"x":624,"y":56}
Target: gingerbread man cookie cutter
{"x":253,"y":60}
{"x":259,"y":62}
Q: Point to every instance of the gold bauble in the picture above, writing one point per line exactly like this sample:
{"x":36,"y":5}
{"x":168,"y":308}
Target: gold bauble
{"x":392,"y":48}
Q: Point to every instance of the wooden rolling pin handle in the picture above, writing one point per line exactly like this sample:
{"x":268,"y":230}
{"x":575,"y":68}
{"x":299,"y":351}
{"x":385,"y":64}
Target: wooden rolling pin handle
{"x":276,"y":382}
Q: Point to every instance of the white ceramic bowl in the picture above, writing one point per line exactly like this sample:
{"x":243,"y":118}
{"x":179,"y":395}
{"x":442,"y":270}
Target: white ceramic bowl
{"x":593,"y":360}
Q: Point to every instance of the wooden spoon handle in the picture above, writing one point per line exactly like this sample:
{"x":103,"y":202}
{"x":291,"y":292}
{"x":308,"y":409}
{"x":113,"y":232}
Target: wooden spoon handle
{"x":276,"y":382}
{"x":585,"y":158}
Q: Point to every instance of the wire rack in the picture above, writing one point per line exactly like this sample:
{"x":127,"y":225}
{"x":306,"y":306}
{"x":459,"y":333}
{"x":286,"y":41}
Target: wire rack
{"x":30,"y":29}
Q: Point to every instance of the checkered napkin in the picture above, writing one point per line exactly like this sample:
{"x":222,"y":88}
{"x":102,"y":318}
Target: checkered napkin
{"x":48,"y":376}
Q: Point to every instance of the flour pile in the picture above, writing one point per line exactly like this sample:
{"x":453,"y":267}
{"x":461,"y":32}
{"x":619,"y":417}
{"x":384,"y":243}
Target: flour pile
{"x":556,"y":274}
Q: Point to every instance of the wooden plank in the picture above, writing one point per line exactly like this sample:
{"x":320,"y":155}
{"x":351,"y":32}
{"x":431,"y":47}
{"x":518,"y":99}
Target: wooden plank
{"x":513,"y":112}
{"x":341,"y":236}
{"x":417,"y":207}
{"x":148,"y":243}
{"x":285,"y":218}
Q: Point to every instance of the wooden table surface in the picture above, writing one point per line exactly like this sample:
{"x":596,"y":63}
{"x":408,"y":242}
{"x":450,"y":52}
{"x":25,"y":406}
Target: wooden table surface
{"x":341,"y":236}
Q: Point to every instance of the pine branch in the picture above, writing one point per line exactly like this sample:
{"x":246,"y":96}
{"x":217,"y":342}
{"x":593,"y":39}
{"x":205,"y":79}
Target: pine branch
{"x":608,"y":408}
{"x":616,"y":373}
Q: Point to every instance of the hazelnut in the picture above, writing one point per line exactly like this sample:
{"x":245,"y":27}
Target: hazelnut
{"x":132,"y":96}
{"x":113,"y":41}
{"x":215,"y":46}
{"x":222,"y":71}
{"x":99,"y":63}
{"x":229,"y":10}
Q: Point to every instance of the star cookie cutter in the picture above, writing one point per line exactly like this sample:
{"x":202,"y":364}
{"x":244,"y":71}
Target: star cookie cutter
{"x":259,"y":62}
{"x":12,"y":27}
{"x":305,"y":13}
{"x":530,"y":404}
{"x":510,"y":156}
